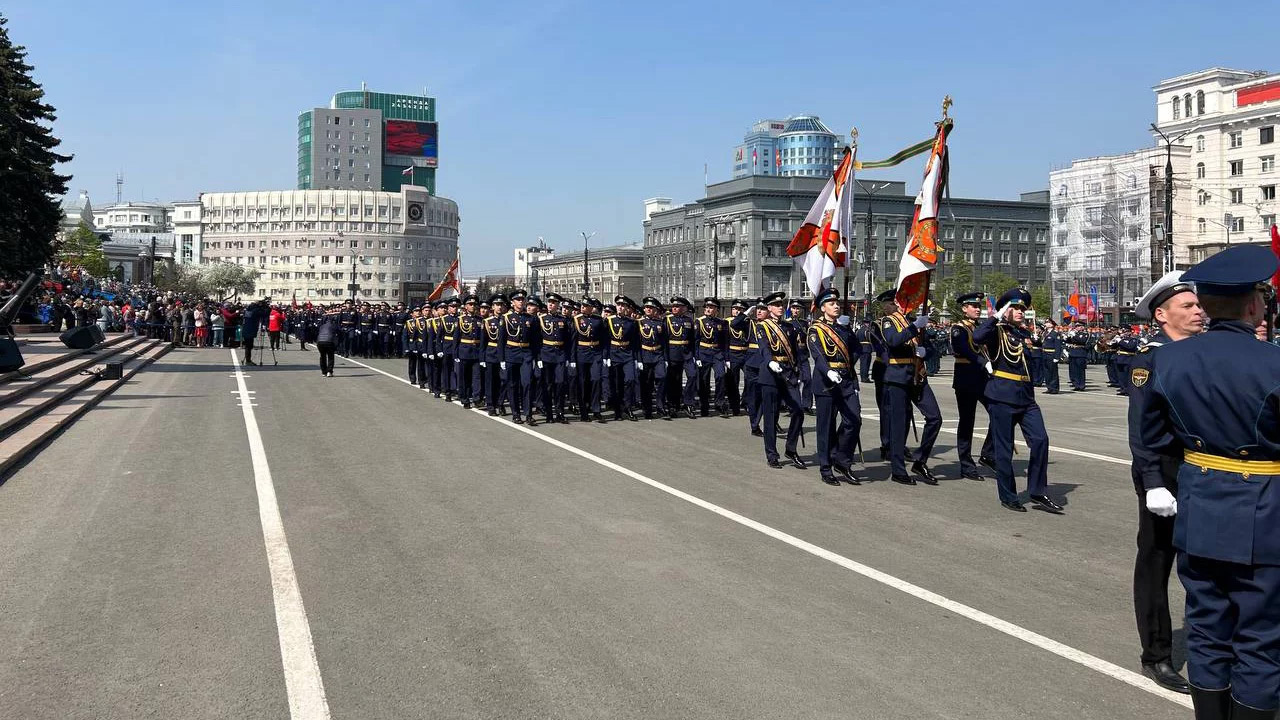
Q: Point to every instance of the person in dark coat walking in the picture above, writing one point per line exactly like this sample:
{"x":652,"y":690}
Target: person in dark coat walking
{"x":253,"y":317}
{"x":327,"y":341}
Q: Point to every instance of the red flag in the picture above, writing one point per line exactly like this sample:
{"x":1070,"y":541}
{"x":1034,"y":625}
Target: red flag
{"x":450,"y":281}
{"x":1275,"y":248}
{"x":754,"y":159}
{"x":777,"y":158}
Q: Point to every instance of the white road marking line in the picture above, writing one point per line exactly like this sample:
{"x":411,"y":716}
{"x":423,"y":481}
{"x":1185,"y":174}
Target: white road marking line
{"x":302,"y":679}
{"x":1066,"y":652}
{"x":1052,"y":448}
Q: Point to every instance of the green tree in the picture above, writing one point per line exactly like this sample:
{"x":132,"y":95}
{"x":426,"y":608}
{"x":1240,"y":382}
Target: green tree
{"x":83,"y":247}
{"x":996,"y":283}
{"x":229,"y":280}
{"x":958,"y":278}
{"x":1041,"y":302}
{"x":29,"y":186}
{"x":173,"y":277}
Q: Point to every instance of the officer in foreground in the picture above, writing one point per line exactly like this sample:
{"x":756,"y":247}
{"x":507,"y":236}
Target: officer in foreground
{"x":834,"y":350}
{"x":1172,"y":304}
{"x":1214,"y":399}
{"x":970,"y":383}
{"x":1011,"y":401}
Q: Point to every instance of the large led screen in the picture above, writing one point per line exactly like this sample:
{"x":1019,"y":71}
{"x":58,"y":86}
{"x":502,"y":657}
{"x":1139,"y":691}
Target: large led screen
{"x":416,"y":139}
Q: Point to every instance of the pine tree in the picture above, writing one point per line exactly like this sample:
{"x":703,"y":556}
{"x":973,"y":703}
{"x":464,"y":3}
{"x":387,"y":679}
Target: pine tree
{"x":29,"y":185}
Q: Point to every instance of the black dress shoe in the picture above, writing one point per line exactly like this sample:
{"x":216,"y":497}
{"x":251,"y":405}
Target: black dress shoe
{"x":492,"y":412}
{"x":988,"y":461}
{"x":688,"y":410}
{"x":926,"y":476}
{"x":903,"y":479}
{"x":562,"y":420}
{"x":796,"y":461}
{"x":533,"y":421}
{"x":830,"y":479}
{"x":847,"y":473}
{"x":1047,"y":504}
{"x":774,"y":463}
{"x":466,"y":404}
{"x":599,"y":418}
{"x":1014,"y":505}
{"x":1163,"y":674}
{"x":631,"y":416}
{"x":517,"y":420}
{"x":435,"y":395}
{"x":757,"y":432}
{"x":974,"y":475}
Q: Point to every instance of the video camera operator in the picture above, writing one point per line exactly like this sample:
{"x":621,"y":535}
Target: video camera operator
{"x":254,"y":313}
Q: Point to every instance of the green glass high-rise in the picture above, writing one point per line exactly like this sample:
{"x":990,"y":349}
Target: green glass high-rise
{"x":369,"y":140}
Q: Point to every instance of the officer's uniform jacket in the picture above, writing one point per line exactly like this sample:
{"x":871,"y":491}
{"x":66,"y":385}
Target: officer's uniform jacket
{"x":653,"y":340}
{"x":1007,"y":346}
{"x":713,"y":336}
{"x":901,"y":338}
{"x":970,"y":373}
{"x":624,"y":339}
{"x":518,"y":342}
{"x":470,"y":338}
{"x":556,"y":337}
{"x":833,"y":347}
{"x":679,"y":338}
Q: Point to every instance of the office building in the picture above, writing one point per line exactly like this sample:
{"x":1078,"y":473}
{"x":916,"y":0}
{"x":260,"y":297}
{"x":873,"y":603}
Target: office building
{"x":745,"y":224}
{"x":368,"y":140}
{"x":1228,"y":118}
{"x":1107,"y":223}
{"x":304,"y":242}
{"x":610,"y":271}
{"x":801,"y":145}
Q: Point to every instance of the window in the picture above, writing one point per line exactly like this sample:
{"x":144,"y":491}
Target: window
{"x":1199,"y":102}
{"x":1093,"y":215}
{"x":1199,"y":143}
{"x":1268,"y":221}
{"x":1199,"y":171}
{"x":1237,"y":196}
{"x":1060,"y":238}
{"x":1237,"y":138}
{"x":1005,"y":257}
{"x":986,"y":257}
{"x":1266,"y":135}
{"x":1186,"y":104}
{"x":986,"y":234}
{"x":966,"y":234}
{"x":1202,"y":197}
{"x":1237,"y":167}
{"x":1177,"y":109}
{"x":1268,"y":163}
{"x":1237,"y":224}
{"x":1268,"y":192}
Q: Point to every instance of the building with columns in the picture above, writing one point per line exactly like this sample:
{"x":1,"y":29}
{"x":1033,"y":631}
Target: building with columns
{"x":310,"y":243}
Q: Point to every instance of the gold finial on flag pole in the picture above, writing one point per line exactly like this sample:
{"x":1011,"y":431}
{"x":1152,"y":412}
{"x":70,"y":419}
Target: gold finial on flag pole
{"x":946,"y":107}
{"x":853,"y":136}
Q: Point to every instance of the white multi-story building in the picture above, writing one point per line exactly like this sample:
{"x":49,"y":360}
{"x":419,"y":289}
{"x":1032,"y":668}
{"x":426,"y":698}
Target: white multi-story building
{"x":524,"y":259}
{"x":133,"y":216}
{"x":304,"y":242}
{"x":1105,"y":221}
{"x":1228,"y":118}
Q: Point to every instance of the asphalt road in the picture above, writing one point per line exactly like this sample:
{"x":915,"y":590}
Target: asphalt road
{"x":456,"y":566}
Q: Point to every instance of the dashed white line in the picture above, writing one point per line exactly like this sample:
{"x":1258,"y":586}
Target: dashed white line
{"x":302,"y":679}
{"x":1066,"y":652}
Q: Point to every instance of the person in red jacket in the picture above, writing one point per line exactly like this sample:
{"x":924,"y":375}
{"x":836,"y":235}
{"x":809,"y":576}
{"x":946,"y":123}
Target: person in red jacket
{"x":275,"y":324}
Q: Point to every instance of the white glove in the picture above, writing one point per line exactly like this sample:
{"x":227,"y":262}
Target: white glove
{"x":1057,"y":361}
{"x":833,"y":376}
{"x":727,"y":366}
{"x":698,"y":363}
{"x":502,"y":365}
{"x":842,"y":320}
{"x":440,"y":356}
{"x":482,"y":364}
{"x":1002,"y":310}
{"x":457,"y":360}
{"x":922,"y":321}
{"x":921,"y":352}
{"x":990,"y":371}
{"x":426,"y":355}
{"x":774,"y":366}
{"x":573,"y":365}
{"x":608,"y":362}
{"x":539,"y":363}
{"x":639,"y":365}
{"x":1161,"y":502}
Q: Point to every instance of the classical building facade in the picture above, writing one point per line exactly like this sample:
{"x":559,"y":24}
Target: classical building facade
{"x":1228,"y":118}
{"x":610,"y":271}
{"x":732,"y":243}
{"x":309,"y":243}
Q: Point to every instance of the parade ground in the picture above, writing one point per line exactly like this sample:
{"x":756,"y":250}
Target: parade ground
{"x":215,"y":541}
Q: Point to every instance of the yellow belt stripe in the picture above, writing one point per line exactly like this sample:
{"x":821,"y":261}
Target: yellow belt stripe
{"x":1011,"y":376}
{"x":1245,"y":467}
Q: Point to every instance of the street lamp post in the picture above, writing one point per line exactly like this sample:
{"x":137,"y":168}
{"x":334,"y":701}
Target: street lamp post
{"x":353,"y":286}
{"x":868,"y":266}
{"x":586,"y":280}
{"x":1168,"y":196}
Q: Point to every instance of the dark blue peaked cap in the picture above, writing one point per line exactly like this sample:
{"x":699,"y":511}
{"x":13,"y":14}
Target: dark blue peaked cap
{"x":1234,"y":271}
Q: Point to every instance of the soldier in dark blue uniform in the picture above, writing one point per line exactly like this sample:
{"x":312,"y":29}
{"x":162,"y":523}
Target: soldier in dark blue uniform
{"x":491,"y":365}
{"x":366,"y":331}
{"x":801,"y":322}
{"x":591,"y":342}
{"x":553,"y":357}
{"x":970,"y":383}
{"x":1035,"y":358}
{"x":1011,"y":400}
{"x":888,"y":305}
{"x":905,"y":385}
{"x":517,"y":349}
{"x":653,"y":360}
{"x":680,"y":360}
{"x":410,"y":341}
{"x":447,"y":346}
{"x":779,"y":381}
{"x":467,"y":353}
{"x":1126,"y":346}
{"x":622,"y":360}
{"x":1077,"y":342}
{"x":432,"y":345}
{"x":572,"y":387}
{"x":834,"y":351}
{"x":752,"y":367}
{"x":1175,"y":308}
{"x":534,"y":308}
{"x":1052,"y":355}
{"x":347,"y":318}
{"x":711,"y":357}
{"x":867,"y":353}
{"x":395,"y":341}
{"x":1213,"y":400}
{"x":736,"y":334}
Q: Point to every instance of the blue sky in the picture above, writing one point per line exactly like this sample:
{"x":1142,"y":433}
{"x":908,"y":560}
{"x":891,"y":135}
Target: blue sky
{"x":564,"y":116}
